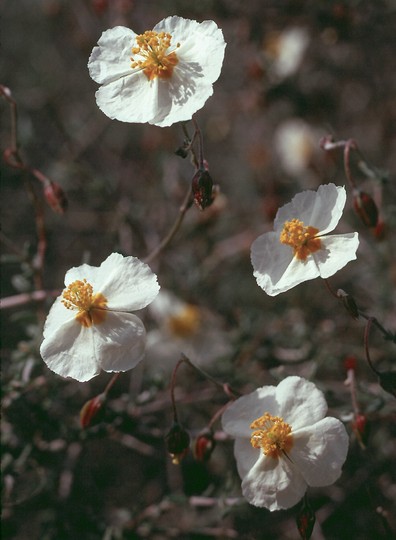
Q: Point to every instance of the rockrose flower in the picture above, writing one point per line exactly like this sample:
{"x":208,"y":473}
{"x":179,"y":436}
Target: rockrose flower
{"x":299,"y":248}
{"x":89,"y":327}
{"x":162,"y":76}
{"x":284,"y":443}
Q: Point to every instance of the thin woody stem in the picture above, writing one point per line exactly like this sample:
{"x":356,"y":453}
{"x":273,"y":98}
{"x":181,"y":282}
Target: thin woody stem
{"x":111,"y":383}
{"x":200,"y":143}
{"x":366,"y":345}
{"x":186,"y":204}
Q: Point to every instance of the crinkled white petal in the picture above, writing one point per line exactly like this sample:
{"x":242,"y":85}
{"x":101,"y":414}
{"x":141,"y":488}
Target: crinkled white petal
{"x":320,"y":450}
{"x":126,"y":282}
{"x":111,"y":59}
{"x":276,"y":269}
{"x":241,"y":413}
{"x":119,"y":341}
{"x":321,"y":209}
{"x":131,"y":97}
{"x":301,"y":403}
{"x":69,"y":351}
{"x":57,"y":317}
{"x":273,"y":483}
{"x":337,"y":251}
{"x":245,"y":455}
{"x":270,"y":260}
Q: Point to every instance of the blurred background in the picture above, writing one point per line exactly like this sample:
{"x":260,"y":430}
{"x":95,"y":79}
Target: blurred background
{"x":294,"y":72}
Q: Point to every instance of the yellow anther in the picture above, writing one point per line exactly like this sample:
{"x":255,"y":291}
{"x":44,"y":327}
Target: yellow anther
{"x":91,"y":308}
{"x":301,"y":238}
{"x":153,"y":47}
{"x":272,"y":435}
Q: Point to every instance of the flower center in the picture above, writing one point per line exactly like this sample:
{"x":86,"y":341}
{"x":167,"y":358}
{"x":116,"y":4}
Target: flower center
{"x":153,"y":47}
{"x":91,"y":307}
{"x":185,"y":323}
{"x":271,"y":434}
{"x":302,"y":239}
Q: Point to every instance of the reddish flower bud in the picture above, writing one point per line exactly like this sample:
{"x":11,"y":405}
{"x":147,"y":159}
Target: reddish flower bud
{"x":350,"y":363}
{"x":359,"y":424}
{"x":380,"y":230}
{"x":202,"y":188}
{"x":204,"y":445}
{"x":349,"y":303}
{"x":90,"y":409}
{"x":177,"y":442}
{"x":55,"y":196}
{"x":365,"y":208}
{"x":305,"y":520}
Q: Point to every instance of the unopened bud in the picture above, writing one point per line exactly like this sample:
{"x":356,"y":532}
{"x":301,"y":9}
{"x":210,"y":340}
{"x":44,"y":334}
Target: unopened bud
{"x":359,"y":424}
{"x":350,"y":363}
{"x":55,"y":197}
{"x":349,"y":303}
{"x":204,"y":445}
{"x":365,"y":208}
{"x":177,"y":442}
{"x":380,"y":230}
{"x":90,"y":409}
{"x":305,"y":520}
{"x":202,"y":188}
{"x":387,"y":381}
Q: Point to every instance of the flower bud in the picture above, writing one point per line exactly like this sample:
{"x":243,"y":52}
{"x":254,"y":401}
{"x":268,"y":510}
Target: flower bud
{"x":90,"y":409}
{"x":177,"y":442}
{"x":55,"y":196}
{"x":380,"y":230}
{"x":365,"y":208}
{"x":305,"y":520}
{"x":202,"y":188}
{"x":204,"y":445}
{"x":359,"y":424}
{"x":349,"y":303}
{"x":350,"y":363}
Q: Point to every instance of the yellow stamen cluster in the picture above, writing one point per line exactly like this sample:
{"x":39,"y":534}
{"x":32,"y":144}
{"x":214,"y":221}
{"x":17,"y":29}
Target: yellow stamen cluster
{"x":302,"y":239}
{"x":272,"y":435}
{"x":153,"y":47}
{"x":91,"y":308}
{"x":185,"y":323}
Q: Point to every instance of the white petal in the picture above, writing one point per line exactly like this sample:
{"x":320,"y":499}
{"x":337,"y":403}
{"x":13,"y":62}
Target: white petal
{"x":111,"y":60}
{"x":241,"y":413}
{"x":69,"y":352}
{"x":126,"y":282}
{"x":57,"y":316}
{"x":320,"y":451}
{"x":301,"y":403}
{"x":119,"y":341}
{"x":273,"y":483}
{"x":245,"y":455}
{"x":338,"y":250}
{"x":270,"y":260}
{"x":321,"y":209}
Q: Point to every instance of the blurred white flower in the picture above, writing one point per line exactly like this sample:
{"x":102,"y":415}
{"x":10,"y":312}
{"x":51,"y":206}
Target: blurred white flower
{"x":183,"y":328}
{"x":89,"y":327}
{"x":162,"y":76}
{"x":296,"y":144}
{"x":299,"y":248}
{"x":286,"y":50}
{"x":284,"y":443}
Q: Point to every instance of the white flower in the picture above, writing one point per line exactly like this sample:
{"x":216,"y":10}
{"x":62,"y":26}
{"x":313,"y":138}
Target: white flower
{"x":89,"y":327}
{"x":183,"y":328}
{"x":162,"y":76}
{"x":299,"y":248}
{"x":284,"y":443}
